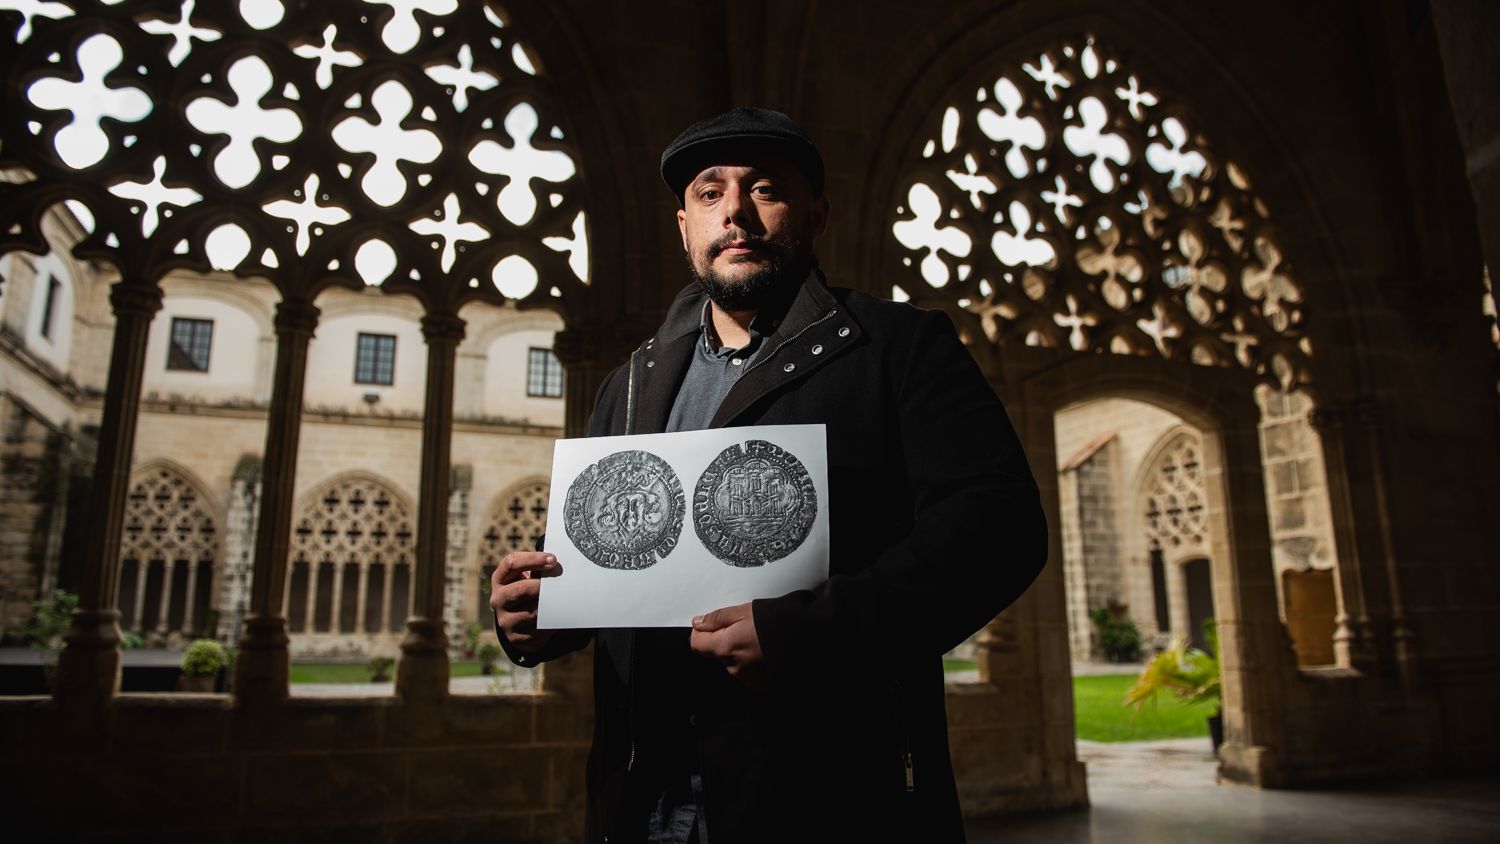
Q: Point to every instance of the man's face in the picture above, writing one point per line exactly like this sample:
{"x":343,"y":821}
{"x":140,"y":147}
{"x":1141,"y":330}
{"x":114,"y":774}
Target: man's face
{"x":748,"y":226}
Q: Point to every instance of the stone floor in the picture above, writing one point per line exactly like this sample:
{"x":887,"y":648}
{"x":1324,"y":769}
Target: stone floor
{"x":1164,"y":792}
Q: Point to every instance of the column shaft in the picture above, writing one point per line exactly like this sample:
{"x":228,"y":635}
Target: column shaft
{"x":263,"y":669}
{"x":423,"y":672}
{"x":88,"y":670}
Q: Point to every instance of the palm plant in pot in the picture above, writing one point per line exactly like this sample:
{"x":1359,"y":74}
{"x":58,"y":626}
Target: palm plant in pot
{"x":1191,"y":674}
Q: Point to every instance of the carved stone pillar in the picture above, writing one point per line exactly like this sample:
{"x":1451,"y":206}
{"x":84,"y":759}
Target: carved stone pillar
{"x":88,"y":670}
{"x":1403,"y":638}
{"x":1352,"y":645}
{"x":423,"y":671}
{"x":262,"y":671}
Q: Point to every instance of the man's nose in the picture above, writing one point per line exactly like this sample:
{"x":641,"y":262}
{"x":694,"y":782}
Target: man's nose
{"x":738,"y":210}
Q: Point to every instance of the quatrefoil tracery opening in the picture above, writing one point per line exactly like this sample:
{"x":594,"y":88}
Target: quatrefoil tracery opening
{"x":1067,"y":204}
{"x":352,"y":146}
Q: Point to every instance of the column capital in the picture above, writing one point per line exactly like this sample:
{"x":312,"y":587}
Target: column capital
{"x":442,"y":328}
{"x":135,"y":298}
{"x":296,"y":316}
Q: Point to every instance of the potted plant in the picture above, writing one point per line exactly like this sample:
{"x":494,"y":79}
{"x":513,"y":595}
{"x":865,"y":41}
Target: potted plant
{"x":201,"y":664}
{"x":1118,"y":638}
{"x":471,"y":640}
{"x":380,"y":668}
{"x":1189,"y":673}
{"x":488,"y":653}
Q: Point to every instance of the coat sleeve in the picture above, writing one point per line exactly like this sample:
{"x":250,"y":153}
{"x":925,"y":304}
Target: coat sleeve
{"x":606,"y":409}
{"x":978,"y":539}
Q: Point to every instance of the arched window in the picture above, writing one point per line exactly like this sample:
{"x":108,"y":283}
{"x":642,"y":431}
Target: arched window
{"x":1175,"y":503}
{"x":351,"y":561}
{"x":1067,"y":203}
{"x":167,"y":557}
{"x":516,"y":523}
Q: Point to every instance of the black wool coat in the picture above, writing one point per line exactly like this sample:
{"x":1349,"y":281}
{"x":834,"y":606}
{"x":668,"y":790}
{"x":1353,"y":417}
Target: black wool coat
{"x":935,"y":527}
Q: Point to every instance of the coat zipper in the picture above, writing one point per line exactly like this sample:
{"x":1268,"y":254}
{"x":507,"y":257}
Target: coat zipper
{"x":630,"y":724}
{"x":905,"y":743}
{"x":630,"y":401}
{"x":806,"y":328}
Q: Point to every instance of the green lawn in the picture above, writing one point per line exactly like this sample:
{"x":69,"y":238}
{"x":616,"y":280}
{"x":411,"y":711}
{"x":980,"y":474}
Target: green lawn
{"x":1101,"y":717}
{"x":958,"y":665}
{"x":358,"y":672}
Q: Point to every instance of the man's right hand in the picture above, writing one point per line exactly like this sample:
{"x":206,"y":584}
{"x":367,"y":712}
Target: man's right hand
{"x":514,"y":589}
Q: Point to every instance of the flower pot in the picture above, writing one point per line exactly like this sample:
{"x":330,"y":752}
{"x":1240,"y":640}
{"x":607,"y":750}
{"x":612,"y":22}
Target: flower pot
{"x":1216,"y":729}
{"x":195,"y":683}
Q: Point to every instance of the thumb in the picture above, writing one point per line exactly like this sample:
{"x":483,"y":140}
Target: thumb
{"x":716,"y":620}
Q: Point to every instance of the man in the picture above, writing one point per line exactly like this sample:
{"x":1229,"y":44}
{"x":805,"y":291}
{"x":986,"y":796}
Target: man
{"x":817,"y":715}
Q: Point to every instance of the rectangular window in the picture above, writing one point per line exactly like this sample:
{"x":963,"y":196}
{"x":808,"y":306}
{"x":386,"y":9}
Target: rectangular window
{"x":53,"y":285}
{"x":191,"y":340}
{"x":544,"y":374}
{"x":375,"y":359}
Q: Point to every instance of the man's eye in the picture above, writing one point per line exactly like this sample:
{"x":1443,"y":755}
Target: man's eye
{"x":708,"y":195}
{"x":764,"y":190}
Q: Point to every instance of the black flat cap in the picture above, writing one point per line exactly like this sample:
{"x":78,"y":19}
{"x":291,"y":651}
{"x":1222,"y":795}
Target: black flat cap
{"x":737,"y":131}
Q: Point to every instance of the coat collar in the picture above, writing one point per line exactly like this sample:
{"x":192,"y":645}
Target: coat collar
{"x":813,"y":331}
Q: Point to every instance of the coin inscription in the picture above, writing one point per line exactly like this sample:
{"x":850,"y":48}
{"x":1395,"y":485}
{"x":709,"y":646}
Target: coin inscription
{"x":625,"y":510}
{"x":754,"y":504}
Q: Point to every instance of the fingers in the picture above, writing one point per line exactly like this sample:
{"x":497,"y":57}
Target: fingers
{"x":520,"y":565}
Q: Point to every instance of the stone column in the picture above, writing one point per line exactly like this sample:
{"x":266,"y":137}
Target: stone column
{"x":1257,"y":663}
{"x":423,"y":671}
{"x":239,"y":546}
{"x":88,"y":670}
{"x":1352,"y":646}
{"x":1403,"y":638}
{"x":262,"y":671}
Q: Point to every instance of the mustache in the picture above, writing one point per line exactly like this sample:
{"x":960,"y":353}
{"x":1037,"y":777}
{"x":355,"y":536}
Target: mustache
{"x":748,"y":240}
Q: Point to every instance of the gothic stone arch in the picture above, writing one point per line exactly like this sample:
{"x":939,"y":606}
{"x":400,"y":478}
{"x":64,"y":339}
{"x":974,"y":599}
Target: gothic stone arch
{"x":169,"y":555}
{"x":350,"y":566}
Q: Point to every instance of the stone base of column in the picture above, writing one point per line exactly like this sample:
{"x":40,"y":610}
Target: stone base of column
{"x":88,"y":669}
{"x":422,"y":673}
{"x":1249,"y":765}
{"x":263,"y":666}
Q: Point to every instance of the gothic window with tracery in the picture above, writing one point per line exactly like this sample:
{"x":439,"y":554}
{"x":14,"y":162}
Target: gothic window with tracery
{"x":167,"y":557}
{"x":351,"y":561}
{"x":408,"y":144}
{"x":1176,"y":504}
{"x":1068,"y":203}
{"x":516,"y":524}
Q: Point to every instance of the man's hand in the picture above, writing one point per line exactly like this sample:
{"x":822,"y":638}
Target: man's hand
{"x":514,"y":589}
{"x":729,"y":636}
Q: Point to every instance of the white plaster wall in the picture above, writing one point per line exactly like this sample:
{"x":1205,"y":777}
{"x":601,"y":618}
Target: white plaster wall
{"x":53,"y":349}
{"x":233,"y":359}
{"x":330,"y":364}
{"x":505,"y":380}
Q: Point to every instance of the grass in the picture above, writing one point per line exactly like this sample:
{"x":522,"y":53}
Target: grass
{"x":958,"y":665}
{"x":359,"y":672}
{"x":1100,"y":716}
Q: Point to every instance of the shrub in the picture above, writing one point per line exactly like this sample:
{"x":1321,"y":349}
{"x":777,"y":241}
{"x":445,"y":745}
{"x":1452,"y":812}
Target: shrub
{"x":380,"y":668}
{"x":488,"y":653}
{"x":1116,"y":635}
{"x":50,"y":619}
{"x":204,"y":657}
{"x":130,"y":640}
{"x":471,"y":639}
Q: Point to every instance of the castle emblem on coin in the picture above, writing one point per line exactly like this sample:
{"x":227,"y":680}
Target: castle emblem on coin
{"x":625,"y":511}
{"x":754,"y":504}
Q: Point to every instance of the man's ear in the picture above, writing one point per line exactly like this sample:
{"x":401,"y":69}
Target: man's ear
{"x":820,"y":211}
{"x":682,"y":227}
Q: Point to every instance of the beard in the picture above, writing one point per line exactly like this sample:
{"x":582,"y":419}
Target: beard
{"x":786,"y":265}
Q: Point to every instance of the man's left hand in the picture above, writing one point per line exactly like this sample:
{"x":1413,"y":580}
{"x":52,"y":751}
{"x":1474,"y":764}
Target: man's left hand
{"x":728,"y":635}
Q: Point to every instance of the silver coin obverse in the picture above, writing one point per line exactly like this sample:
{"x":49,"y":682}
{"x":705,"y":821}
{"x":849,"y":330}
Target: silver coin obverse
{"x":754,"y":504}
{"x":625,"y":510}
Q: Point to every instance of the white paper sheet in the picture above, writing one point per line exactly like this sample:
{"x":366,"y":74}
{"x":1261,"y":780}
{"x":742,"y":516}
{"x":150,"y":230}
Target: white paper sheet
{"x":752,"y":505}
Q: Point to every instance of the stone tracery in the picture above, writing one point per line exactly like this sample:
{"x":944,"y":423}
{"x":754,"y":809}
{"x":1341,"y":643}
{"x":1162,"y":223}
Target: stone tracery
{"x":355,"y":540}
{"x":1175,"y":501}
{"x":168,"y":552}
{"x":307,"y":134}
{"x":1066,"y":204}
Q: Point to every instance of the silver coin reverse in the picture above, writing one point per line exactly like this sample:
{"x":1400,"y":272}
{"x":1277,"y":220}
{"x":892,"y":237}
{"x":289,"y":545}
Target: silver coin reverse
{"x":625,"y":510}
{"x":754,"y":504}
